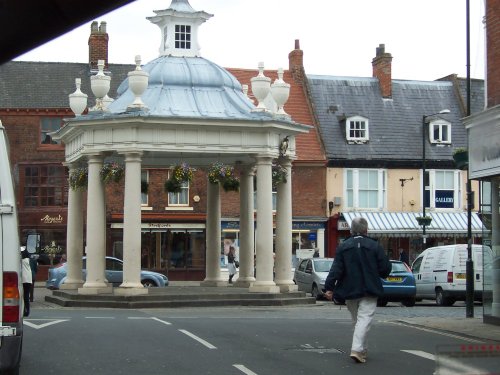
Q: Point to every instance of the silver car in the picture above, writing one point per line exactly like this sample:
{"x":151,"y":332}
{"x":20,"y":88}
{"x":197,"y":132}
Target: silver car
{"x":310,"y":275}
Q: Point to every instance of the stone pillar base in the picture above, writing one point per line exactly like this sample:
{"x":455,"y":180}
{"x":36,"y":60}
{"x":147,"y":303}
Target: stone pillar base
{"x":285,"y":288}
{"x":264,"y":289}
{"x":244,"y":283}
{"x":95,"y":290}
{"x":126,"y":291}
{"x":213,"y":283}
{"x":71,"y":285}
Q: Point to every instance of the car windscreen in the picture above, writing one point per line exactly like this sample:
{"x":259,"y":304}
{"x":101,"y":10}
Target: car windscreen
{"x":323,"y":265}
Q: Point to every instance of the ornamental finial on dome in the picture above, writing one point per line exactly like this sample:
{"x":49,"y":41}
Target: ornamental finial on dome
{"x":179,"y":29}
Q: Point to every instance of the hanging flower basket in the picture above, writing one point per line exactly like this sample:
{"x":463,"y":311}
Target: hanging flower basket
{"x":112,"y":172}
{"x":279,"y":175}
{"x":231,"y":184}
{"x":461,"y":158}
{"x":78,"y":178}
{"x":424,"y":220}
{"x":180,"y":174}
{"x":52,"y":250}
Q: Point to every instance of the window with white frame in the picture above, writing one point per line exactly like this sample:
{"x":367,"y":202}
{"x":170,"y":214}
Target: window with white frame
{"x":440,"y":131}
{"x":183,"y":36}
{"x":180,"y":198}
{"x":357,"y":129}
{"x":365,"y":188}
{"x":442,"y":189}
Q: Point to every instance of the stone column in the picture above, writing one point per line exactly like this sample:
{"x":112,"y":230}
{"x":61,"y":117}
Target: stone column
{"x":246,"y":271}
{"x":283,"y":261}
{"x":74,"y":238}
{"x":264,"y":240}
{"x":213,"y":244}
{"x":131,"y":284}
{"x":96,"y":230}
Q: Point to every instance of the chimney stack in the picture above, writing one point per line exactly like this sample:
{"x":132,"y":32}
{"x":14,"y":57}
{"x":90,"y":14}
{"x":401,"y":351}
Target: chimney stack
{"x":382,"y":66}
{"x":98,"y":45}
{"x":296,"y":63}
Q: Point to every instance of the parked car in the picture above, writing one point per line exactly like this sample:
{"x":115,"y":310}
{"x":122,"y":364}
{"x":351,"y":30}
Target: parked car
{"x":114,"y":275}
{"x":310,"y":275}
{"x":399,"y":286}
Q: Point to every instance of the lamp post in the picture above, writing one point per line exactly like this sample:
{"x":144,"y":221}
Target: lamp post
{"x":424,"y":121}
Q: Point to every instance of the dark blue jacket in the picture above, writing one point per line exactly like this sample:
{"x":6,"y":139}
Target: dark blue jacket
{"x":359,"y":264}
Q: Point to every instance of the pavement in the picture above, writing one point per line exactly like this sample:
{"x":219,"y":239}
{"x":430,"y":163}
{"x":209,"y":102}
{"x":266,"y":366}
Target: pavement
{"x":473,"y":328}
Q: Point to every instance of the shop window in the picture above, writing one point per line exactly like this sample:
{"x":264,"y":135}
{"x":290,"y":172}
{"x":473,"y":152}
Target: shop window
{"x":365,"y":188}
{"x":44,"y":185}
{"x":442,"y":189}
{"x":49,"y":125}
{"x":183,"y":36}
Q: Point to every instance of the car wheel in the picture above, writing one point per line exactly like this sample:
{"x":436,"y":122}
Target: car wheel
{"x":315,"y":291}
{"x":410,"y":302}
{"x":148,"y":283}
{"x":441,"y":300}
{"x":382,"y":302}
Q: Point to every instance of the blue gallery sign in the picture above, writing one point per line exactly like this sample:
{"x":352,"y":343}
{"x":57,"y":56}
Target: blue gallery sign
{"x":444,"y":199}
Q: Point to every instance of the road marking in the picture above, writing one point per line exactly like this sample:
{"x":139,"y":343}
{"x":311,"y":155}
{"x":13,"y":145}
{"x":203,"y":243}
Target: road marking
{"x":421,"y":353}
{"x":99,"y":317}
{"x":30,"y":323}
{"x":244,"y":370}
{"x":448,"y":366}
{"x":436,"y":331}
{"x":200,"y":340}
{"x":150,"y":318}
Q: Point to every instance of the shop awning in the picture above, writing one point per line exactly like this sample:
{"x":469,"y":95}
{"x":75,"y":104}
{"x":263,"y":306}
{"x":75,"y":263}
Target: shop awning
{"x":403,"y":224}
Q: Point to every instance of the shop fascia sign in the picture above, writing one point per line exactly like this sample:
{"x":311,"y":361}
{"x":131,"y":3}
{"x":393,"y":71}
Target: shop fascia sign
{"x":47,"y":219}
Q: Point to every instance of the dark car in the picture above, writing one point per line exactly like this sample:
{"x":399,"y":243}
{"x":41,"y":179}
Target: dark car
{"x":399,"y":286}
{"x":114,"y":275}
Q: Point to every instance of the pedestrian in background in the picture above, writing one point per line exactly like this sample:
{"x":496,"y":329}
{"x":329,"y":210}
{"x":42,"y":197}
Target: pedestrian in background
{"x":403,"y":256}
{"x":27,"y":278}
{"x":231,"y":263}
{"x":355,"y":275}
{"x":34,"y":270}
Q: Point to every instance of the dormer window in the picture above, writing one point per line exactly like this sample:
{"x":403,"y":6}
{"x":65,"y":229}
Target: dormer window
{"x":183,"y":36}
{"x":357,"y":129}
{"x":440,"y":131}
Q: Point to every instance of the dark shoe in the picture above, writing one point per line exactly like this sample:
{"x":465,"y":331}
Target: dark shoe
{"x":358,"y":357}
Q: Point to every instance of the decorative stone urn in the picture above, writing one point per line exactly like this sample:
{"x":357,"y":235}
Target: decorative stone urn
{"x":261,"y":86}
{"x":138,"y":83}
{"x":280,"y":91}
{"x":100,"y":84}
{"x":78,"y":100}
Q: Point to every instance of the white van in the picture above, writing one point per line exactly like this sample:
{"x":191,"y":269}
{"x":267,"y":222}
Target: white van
{"x":440,"y":273}
{"x":11,"y":303}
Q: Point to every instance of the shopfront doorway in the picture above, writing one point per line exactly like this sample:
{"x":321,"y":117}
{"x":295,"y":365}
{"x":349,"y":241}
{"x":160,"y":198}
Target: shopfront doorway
{"x":178,"y":253}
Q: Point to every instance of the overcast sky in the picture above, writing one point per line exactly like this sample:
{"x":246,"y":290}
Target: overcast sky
{"x":427,"y":38}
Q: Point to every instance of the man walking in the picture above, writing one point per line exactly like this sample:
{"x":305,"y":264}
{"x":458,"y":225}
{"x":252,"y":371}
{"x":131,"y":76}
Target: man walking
{"x":355,"y":275}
